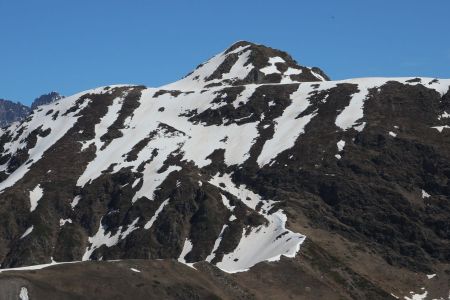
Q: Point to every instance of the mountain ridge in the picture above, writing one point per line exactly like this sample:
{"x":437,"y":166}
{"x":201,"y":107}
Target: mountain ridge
{"x":11,"y":111}
{"x":235,"y":164}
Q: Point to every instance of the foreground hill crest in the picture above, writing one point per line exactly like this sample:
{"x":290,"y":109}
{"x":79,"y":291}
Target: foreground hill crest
{"x":233,"y":165}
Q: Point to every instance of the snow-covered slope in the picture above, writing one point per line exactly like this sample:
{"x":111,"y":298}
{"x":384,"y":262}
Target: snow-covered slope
{"x":177,"y":171}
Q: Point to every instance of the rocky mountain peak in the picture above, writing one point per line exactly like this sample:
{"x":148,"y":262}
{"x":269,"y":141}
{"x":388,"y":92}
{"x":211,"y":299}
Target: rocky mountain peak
{"x":248,"y":63}
{"x":46,"y":99}
{"x":11,"y":112}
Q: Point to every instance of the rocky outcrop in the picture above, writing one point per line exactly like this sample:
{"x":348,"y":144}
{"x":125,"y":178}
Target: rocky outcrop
{"x":11,"y":112}
{"x":46,"y":99}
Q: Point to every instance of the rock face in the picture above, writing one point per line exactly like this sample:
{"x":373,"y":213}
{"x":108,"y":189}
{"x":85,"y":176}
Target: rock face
{"x":11,"y":112}
{"x":46,"y":99}
{"x":234,"y":165}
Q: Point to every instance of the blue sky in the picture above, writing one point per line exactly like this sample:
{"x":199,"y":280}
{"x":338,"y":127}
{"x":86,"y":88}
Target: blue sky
{"x":70,"y":46}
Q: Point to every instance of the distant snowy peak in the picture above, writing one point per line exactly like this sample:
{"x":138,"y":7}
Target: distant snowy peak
{"x":248,"y":63}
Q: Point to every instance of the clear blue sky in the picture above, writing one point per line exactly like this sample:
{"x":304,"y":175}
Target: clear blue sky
{"x":71,"y":46}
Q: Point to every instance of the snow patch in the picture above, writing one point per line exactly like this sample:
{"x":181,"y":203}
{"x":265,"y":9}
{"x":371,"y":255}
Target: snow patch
{"x":37,"y":267}
{"x":152,"y":179}
{"x":287,"y":127}
{"x":417,"y":296}
{"x":245,"y":95}
{"x":211,"y":256}
{"x":108,"y":239}
{"x":444,"y":115}
{"x":272,"y":68}
{"x":23,"y":295}
{"x":75,"y":201}
{"x":354,"y":111}
{"x":340,"y":145}
{"x":262,"y":243}
{"x":149,"y":224}
{"x":187,"y":247}
{"x":291,"y":71}
{"x":27,"y":232}
{"x":105,"y":122}
{"x":62,"y":222}
{"x":441,"y":128}
{"x":360,"y":127}
{"x":132,"y":227}
{"x":317,"y":75}
{"x":226,"y":202}
{"x":35,"y":195}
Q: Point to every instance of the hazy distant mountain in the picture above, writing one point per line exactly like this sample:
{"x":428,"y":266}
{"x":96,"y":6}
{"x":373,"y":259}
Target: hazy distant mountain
{"x":12,"y":111}
{"x":46,"y":99}
{"x":15,"y":111}
{"x":270,"y":179}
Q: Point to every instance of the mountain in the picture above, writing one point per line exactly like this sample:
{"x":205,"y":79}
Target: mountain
{"x":269,"y":179}
{"x":246,"y":63}
{"x":11,"y":112}
{"x":46,"y":99}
